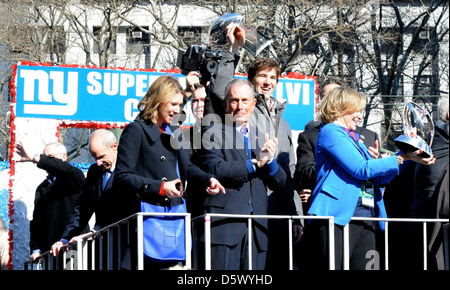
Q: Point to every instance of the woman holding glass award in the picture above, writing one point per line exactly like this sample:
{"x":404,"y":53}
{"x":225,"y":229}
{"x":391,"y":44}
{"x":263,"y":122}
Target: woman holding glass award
{"x":348,"y":181}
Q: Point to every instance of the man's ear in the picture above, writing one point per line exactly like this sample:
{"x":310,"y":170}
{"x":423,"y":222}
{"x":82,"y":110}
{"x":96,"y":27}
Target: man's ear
{"x":114,"y":146}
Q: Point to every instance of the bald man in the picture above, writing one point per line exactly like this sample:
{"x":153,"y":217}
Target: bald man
{"x":99,"y":196}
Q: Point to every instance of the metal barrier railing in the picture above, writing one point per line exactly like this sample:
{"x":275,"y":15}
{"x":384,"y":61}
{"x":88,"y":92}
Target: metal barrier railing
{"x":104,"y":248}
{"x":386,"y":221}
{"x":91,"y":253}
{"x":249,"y":218}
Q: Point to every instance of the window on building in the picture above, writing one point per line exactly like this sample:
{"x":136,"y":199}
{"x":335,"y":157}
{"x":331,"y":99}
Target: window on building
{"x":424,"y":43}
{"x":138,"y":41}
{"x":389,"y":38}
{"x":105,"y":38}
{"x":309,"y":42}
{"x":346,"y":41}
{"x":192,"y":35}
{"x":424,"y":85}
{"x":56,"y":40}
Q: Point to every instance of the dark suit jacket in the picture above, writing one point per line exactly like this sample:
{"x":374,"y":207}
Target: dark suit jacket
{"x":427,"y":176}
{"x":147,"y":157}
{"x":104,"y":203}
{"x":224,"y":156}
{"x":54,"y":202}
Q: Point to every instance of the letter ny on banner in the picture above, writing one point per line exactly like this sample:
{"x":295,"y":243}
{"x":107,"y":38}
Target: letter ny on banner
{"x":111,"y":95}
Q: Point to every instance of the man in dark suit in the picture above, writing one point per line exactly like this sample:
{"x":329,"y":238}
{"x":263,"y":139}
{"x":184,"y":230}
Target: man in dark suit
{"x":244,"y":169}
{"x":55,"y":197}
{"x":98,"y":195}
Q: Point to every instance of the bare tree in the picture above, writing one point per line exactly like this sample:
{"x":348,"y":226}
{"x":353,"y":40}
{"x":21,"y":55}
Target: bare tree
{"x":384,"y":48}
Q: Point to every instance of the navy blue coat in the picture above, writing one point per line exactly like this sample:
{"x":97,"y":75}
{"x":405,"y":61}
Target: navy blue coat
{"x":147,"y":157}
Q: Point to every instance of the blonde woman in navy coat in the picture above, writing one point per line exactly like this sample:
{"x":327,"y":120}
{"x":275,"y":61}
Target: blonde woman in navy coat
{"x":348,"y":180}
{"x":152,"y":165}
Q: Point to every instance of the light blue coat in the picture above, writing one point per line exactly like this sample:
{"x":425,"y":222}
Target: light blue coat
{"x":342,"y":166}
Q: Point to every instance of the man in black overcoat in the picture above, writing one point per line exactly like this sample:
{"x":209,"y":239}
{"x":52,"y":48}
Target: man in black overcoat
{"x":55,"y":197}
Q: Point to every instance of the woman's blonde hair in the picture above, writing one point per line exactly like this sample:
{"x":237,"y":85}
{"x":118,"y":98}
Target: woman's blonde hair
{"x":340,"y":101}
{"x":160,"y":92}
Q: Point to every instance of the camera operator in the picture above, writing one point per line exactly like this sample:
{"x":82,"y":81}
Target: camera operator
{"x":225,"y":73}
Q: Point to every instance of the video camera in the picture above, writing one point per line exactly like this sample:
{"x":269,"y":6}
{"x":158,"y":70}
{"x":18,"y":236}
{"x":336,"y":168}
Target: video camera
{"x":198,"y":58}
{"x":206,"y":61}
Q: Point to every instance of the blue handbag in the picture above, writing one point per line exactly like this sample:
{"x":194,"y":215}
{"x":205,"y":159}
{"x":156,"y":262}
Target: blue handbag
{"x":164,"y":236}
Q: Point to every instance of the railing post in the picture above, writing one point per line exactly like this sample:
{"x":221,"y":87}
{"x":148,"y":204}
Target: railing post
{"x":109,"y":248}
{"x":50,"y":263}
{"x":84,"y":249}
{"x":78,"y":257}
{"x":92,"y":245}
{"x":188,"y":242}
{"x":346,"y":244}
{"x":250,"y":245}
{"x":119,"y":244}
{"x":291,"y":252}
{"x":140,"y":241}
{"x":386,"y":243}
{"x":331,"y":239}
{"x":425,"y":248}
{"x":207,"y":242}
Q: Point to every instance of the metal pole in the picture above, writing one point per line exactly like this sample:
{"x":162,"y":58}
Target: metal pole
{"x":119,"y":245}
{"x":250,"y":245}
{"x":291,"y":252}
{"x":65,"y":265}
{"x":92,"y":245}
{"x":425,"y":264}
{"x":207,"y":242}
{"x":346,"y":242}
{"x":140,"y":242}
{"x":386,"y":243}
{"x":84,"y":249}
{"x":331,"y":244}
{"x":109,"y":249}
{"x":79,"y":255}
{"x":188,"y":242}
{"x":100,"y":250}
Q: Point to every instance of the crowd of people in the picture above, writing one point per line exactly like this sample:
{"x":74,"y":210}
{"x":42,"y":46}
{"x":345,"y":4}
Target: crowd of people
{"x":241,"y":161}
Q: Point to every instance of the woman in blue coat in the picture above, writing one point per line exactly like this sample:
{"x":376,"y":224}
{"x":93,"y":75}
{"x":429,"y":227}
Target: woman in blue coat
{"x":349,"y":179}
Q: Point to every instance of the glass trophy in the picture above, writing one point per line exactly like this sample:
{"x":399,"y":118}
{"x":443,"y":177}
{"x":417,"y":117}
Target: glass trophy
{"x":418,"y":128}
{"x":255,"y":41}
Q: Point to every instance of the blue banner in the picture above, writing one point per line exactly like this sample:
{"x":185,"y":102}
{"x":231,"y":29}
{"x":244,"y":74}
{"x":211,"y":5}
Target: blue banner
{"x":110,"y":95}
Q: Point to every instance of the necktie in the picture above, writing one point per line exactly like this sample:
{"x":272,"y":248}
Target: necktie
{"x":106,"y":175}
{"x":244,"y":132}
{"x":50,"y":178}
